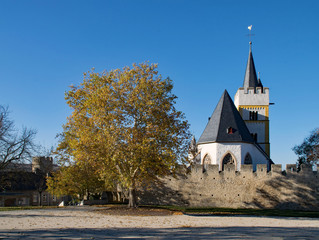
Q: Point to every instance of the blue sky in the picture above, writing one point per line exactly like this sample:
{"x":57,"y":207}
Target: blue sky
{"x":45,"y":46}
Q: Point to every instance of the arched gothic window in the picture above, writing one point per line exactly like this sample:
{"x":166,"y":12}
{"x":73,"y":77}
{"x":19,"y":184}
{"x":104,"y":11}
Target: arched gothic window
{"x":206,"y":161}
{"x":248,"y":159}
{"x":228,"y":159}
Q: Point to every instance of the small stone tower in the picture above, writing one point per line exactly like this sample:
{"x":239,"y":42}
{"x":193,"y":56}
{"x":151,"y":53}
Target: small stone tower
{"x":252,"y":101}
{"x":44,"y":164}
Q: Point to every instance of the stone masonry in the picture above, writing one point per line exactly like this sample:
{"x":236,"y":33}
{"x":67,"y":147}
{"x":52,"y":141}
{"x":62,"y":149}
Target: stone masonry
{"x":288,"y":189}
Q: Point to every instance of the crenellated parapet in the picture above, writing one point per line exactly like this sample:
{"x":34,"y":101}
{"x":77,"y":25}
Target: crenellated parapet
{"x":261,"y":169}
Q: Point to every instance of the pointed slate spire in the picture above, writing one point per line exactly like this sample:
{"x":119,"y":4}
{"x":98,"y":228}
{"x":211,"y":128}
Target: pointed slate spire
{"x":226,"y":124}
{"x":250,"y":75}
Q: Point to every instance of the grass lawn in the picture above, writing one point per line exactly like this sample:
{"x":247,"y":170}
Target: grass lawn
{"x":198,"y":211}
{"x":241,"y":211}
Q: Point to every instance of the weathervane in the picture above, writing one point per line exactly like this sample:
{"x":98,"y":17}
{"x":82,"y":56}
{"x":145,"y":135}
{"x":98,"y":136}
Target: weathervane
{"x":250,"y":34}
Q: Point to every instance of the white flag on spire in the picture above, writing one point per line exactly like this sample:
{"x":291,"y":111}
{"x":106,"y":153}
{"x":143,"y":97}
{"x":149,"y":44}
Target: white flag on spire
{"x":249,"y":27}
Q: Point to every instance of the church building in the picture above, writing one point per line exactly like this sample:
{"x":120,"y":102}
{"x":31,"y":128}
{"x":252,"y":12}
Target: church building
{"x":238,"y":133}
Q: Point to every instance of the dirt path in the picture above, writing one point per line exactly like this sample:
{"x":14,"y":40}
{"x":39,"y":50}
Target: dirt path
{"x":87,"y":223}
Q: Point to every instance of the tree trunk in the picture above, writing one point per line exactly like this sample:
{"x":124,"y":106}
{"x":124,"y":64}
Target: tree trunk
{"x":40,"y":199}
{"x":132,"y":198}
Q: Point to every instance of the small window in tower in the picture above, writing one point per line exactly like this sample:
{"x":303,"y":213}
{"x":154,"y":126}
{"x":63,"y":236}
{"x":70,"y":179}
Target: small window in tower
{"x":253,"y":115}
{"x":254,"y":135}
{"x":230,"y":130}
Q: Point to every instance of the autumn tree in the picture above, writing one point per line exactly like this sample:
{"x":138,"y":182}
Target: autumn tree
{"x":74,"y":177}
{"x":125,"y":121}
{"x":15,"y":145}
{"x":75,"y":180}
{"x":308,"y":150}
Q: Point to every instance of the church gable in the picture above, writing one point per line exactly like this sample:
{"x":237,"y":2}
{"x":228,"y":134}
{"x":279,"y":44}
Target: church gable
{"x":225,"y":135}
{"x":241,"y":130}
{"x":225,"y":124}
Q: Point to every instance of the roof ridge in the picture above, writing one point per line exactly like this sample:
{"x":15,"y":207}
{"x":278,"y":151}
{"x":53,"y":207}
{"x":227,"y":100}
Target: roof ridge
{"x":222,"y":103}
{"x":225,"y":116}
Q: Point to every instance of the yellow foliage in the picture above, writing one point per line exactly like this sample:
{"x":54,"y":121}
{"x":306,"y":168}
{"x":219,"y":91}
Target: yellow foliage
{"x":124,"y":123}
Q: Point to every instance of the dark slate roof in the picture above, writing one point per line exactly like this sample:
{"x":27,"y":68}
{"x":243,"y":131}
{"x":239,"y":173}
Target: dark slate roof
{"x":250,"y":75}
{"x":25,"y":167}
{"x":19,"y":181}
{"x":225,"y":116}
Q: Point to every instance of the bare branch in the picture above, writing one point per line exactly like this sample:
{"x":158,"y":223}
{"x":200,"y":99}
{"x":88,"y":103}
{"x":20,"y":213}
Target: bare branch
{"x":14,"y":146}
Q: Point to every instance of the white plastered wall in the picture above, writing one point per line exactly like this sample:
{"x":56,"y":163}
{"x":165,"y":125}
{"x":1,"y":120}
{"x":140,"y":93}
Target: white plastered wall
{"x":210,"y":149}
{"x":217,"y":151}
{"x":252,"y":98}
{"x":257,"y":156}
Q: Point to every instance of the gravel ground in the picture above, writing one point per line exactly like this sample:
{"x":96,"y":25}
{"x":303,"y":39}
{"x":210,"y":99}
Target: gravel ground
{"x":101,"y":223}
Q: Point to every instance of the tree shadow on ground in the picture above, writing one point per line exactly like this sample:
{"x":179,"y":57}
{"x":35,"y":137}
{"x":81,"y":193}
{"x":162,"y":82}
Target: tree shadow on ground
{"x":4,"y":215}
{"x":185,"y":232}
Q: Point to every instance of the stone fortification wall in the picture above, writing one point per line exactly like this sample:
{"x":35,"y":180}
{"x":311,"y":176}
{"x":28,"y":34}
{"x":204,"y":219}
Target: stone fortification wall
{"x":287,"y":189}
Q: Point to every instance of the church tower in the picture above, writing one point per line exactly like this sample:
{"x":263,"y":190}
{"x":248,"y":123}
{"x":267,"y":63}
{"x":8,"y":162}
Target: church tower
{"x":252,"y":102}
